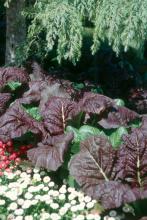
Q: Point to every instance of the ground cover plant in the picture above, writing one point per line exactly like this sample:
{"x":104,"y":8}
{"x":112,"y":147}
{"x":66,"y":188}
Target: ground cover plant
{"x":84,"y":139}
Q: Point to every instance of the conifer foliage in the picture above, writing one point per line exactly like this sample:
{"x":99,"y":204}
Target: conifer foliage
{"x":123,"y":24}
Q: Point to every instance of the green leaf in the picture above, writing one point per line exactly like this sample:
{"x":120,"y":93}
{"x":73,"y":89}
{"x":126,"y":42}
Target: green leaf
{"x":119,"y":102}
{"x":116,"y":137}
{"x":14,"y":85}
{"x":34,"y":112}
{"x":75,"y":148}
{"x":75,"y":131}
{"x":85,"y":131}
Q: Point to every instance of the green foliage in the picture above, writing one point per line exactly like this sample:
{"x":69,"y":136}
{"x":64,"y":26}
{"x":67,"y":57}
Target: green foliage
{"x":14,"y":85}
{"x":123,"y":24}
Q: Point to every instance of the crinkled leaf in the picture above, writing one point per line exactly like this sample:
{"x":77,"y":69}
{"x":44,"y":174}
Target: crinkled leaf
{"x":16,"y":122}
{"x":50,"y":153}
{"x":112,"y":194}
{"x":13,"y":74}
{"x":4,"y":98}
{"x":75,"y":132}
{"x":56,"y":113}
{"x":95,"y":103}
{"x":133,"y":159}
{"x":94,"y":163}
{"x":121,"y":116}
{"x":116,"y":136}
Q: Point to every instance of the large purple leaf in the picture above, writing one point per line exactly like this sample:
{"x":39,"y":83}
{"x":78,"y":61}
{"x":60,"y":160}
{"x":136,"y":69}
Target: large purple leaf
{"x":118,"y":117}
{"x":133,"y":159}
{"x":50,"y":152}
{"x":94,"y":164}
{"x":113,"y":194}
{"x":95,"y":103}
{"x":13,"y":74}
{"x":56,"y":112}
{"x":4,"y":98}
{"x":16,"y":122}
{"x":109,"y":176}
{"x":40,"y":91}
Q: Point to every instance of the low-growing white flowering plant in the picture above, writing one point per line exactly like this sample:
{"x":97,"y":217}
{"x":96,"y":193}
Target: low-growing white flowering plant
{"x":30,"y":194}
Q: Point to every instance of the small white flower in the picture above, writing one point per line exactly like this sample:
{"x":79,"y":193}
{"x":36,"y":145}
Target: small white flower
{"x":80,"y":217}
{"x":18,"y":172}
{"x":32,"y":189}
{"x":28,"y":217}
{"x":73,"y":202}
{"x":87,"y":199}
{"x":63,"y":211}
{"x":34,"y":201}
{"x":45,"y":215}
{"x":23,"y":175}
{"x":70,"y":189}
{"x":55,"y":193}
{"x":61,"y":197}
{"x":2,"y":202}
{"x":29,"y":170}
{"x":74,"y":209}
{"x":90,"y":216}
{"x":46,"y":179}
{"x":38,"y":197}
{"x":55,"y":216}
{"x":97,"y":217}
{"x":28,"y":195}
{"x":40,"y":186}
{"x":20,"y":202}
{"x":49,"y":201}
{"x":12,"y":206}
{"x":11,"y":195}
{"x":45,"y":189}
{"x":67,"y":205}
{"x":54,"y":205}
{"x":36,"y":177}
{"x":81,"y":206}
{"x":19,"y":218}
{"x":27,"y":204}
{"x":42,"y":173}
{"x":11,"y":176}
{"x":51,"y":184}
{"x":19,"y":212}
{"x":62,"y":190}
{"x":2,"y":189}
{"x":36,"y":170}
{"x":71,"y":197}
{"x":90,"y":205}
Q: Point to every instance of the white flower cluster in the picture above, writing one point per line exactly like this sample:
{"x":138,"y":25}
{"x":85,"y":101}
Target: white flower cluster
{"x":31,"y":195}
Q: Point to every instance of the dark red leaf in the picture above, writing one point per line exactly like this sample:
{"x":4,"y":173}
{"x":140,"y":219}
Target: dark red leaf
{"x":133,"y":159}
{"x":4,"y":98}
{"x":50,"y":153}
{"x":13,"y":74}
{"x":56,"y":112}
{"x":94,"y":164}
{"x":16,"y":122}
{"x":118,"y":117}
{"x":95,"y":103}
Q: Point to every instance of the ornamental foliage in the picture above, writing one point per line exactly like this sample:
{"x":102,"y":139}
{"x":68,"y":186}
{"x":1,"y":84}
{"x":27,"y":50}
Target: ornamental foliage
{"x":122,"y":24}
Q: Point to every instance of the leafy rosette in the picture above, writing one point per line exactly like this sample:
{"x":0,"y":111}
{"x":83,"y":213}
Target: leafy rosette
{"x":109,"y":176}
{"x":95,"y":103}
{"x":4,"y":99}
{"x":57,"y":111}
{"x":51,"y":151}
{"x":16,"y":122}
{"x":13,"y":74}
{"x":116,"y":117}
